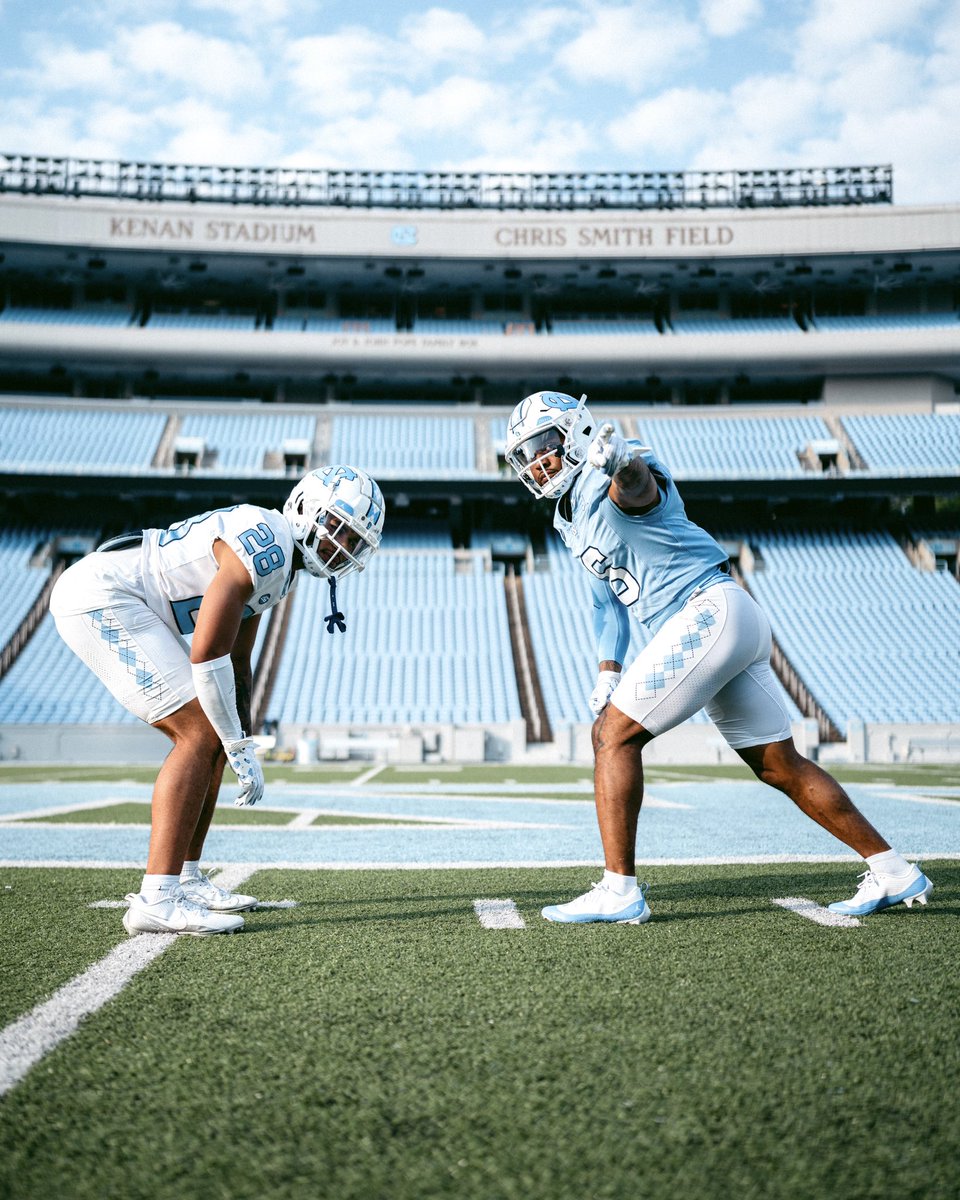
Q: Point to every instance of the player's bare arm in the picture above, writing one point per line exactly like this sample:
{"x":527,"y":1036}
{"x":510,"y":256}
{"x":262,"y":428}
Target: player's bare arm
{"x":241,"y":656}
{"x":633,"y":486}
{"x":220,"y":617}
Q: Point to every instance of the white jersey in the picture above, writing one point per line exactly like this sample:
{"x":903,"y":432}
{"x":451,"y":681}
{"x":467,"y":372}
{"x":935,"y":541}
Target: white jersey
{"x":172,"y":568}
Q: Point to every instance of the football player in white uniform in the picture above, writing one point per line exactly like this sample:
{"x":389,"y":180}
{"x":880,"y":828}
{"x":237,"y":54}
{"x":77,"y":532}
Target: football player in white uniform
{"x":618,"y":512}
{"x":128,"y":609}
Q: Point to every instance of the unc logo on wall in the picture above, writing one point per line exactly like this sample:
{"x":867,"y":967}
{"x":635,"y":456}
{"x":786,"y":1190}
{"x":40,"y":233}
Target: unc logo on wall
{"x":404,"y":235}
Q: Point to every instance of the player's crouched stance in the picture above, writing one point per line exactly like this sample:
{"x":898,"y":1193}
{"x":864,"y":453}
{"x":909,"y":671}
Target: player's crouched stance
{"x":127,"y":611}
{"x":619,"y":513}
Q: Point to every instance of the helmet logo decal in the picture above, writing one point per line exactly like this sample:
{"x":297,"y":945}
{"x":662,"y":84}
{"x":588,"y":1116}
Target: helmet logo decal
{"x":559,"y":400}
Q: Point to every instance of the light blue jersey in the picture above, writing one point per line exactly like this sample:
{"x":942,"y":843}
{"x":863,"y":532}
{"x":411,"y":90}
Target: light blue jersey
{"x":651,"y":563}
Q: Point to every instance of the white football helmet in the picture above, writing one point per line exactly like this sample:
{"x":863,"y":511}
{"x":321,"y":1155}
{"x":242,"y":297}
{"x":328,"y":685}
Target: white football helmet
{"x":336,"y":517}
{"x":543,"y":422}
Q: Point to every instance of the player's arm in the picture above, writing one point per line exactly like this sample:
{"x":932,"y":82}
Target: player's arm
{"x":242,"y":658}
{"x":218,"y":636}
{"x":611,"y":627}
{"x":632,"y":484}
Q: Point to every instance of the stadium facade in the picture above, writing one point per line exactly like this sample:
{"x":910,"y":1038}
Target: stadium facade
{"x":174,"y":337}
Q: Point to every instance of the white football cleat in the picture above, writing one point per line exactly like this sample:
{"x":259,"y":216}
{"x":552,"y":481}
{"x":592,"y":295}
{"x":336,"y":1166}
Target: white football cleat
{"x":876,"y":892}
{"x":174,"y":913}
{"x":601,"y":903}
{"x":203,"y":891}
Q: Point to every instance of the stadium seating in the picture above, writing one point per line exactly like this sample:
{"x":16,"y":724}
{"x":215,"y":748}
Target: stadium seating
{"x":187,"y":320}
{"x":45,"y":439}
{"x":882,"y":321}
{"x":106,"y":315}
{"x":563,"y":325}
{"x":23,"y":582}
{"x":905,"y":442}
{"x":870,"y":635}
{"x":242,"y":439}
{"x":729,"y":325}
{"x":427,"y":642}
{"x":412,"y":444}
{"x":744,"y":447}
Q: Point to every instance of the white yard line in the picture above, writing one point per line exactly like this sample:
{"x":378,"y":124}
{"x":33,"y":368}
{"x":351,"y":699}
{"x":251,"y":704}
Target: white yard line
{"x":498,"y":914}
{"x":33,"y":1036}
{"x":30,"y":1038}
{"x":816,"y":913}
{"x":362,"y":779}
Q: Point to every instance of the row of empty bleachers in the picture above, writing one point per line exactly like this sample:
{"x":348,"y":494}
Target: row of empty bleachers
{"x":729,"y":325}
{"x":871,"y":636}
{"x":899,"y":441}
{"x":23,"y":582}
{"x":37,"y":438}
{"x":242,"y":439}
{"x":120,"y":315}
{"x":404,"y":443}
{"x":739,"y":446}
{"x":426,"y":642}
{"x":586,"y":325}
{"x":101,"y":315}
{"x":190,"y":320}
{"x":882,"y":321}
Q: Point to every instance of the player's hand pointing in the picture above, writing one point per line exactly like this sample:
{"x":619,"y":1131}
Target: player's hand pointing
{"x":608,"y":451}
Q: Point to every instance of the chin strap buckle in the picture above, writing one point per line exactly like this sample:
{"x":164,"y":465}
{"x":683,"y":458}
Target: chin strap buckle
{"x":335,"y":618}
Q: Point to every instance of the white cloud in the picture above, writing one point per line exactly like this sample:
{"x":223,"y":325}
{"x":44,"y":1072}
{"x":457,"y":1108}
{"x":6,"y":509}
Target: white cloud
{"x":669,"y":123}
{"x":452,"y":105}
{"x":632,"y":46}
{"x":203,"y":133}
{"x":724,"y":18}
{"x":167,"y":51}
{"x":839,"y":28}
{"x":339,"y":73}
{"x":440,"y":34}
{"x":63,"y":67}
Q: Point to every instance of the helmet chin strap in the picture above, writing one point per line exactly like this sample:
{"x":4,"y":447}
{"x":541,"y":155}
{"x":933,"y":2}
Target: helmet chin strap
{"x":335,"y":618}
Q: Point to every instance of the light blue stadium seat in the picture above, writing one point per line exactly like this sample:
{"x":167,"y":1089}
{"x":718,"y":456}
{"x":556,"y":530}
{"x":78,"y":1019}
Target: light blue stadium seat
{"x":48,"y":437}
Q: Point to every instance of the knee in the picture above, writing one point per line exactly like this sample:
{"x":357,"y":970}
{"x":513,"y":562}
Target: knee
{"x":613,"y":730}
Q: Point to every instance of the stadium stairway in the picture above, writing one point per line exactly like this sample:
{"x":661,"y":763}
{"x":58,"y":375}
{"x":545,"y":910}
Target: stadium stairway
{"x":525,"y":662}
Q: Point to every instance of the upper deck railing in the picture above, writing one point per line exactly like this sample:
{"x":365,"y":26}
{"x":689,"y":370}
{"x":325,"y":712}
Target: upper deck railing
{"x":780,"y":188}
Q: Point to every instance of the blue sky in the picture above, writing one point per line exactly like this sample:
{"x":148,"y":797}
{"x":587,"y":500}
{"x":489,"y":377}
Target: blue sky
{"x":491,"y":85}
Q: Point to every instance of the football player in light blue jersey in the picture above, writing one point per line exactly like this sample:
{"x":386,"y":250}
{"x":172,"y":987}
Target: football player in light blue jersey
{"x":127,"y":611}
{"x":620,"y":514}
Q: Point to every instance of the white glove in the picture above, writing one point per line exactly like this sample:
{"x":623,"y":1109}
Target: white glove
{"x":606,"y":685}
{"x":608,"y":451}
{"x":243,"y":762}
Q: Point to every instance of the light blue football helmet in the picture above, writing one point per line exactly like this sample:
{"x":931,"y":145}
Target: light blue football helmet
{"x":336,"y":517}
{"x":545,"y":422}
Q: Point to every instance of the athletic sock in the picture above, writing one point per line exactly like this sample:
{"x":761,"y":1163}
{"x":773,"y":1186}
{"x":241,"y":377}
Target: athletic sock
{"x":190,"y":870}
{"x":888,"y":863}
{"x":621,"y":884}
{"x":154,"y":886}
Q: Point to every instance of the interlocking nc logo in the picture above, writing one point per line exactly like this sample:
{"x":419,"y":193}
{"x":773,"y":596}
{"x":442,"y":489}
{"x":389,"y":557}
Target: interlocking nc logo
{"x":404,"y":235}
{"x":558,"y":400}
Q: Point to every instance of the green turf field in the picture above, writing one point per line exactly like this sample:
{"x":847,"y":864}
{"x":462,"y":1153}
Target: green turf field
{"x":376,"y":1042}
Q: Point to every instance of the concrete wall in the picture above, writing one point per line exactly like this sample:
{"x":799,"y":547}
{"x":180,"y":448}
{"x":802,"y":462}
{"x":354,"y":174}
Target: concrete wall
{"x":689,"y":744}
